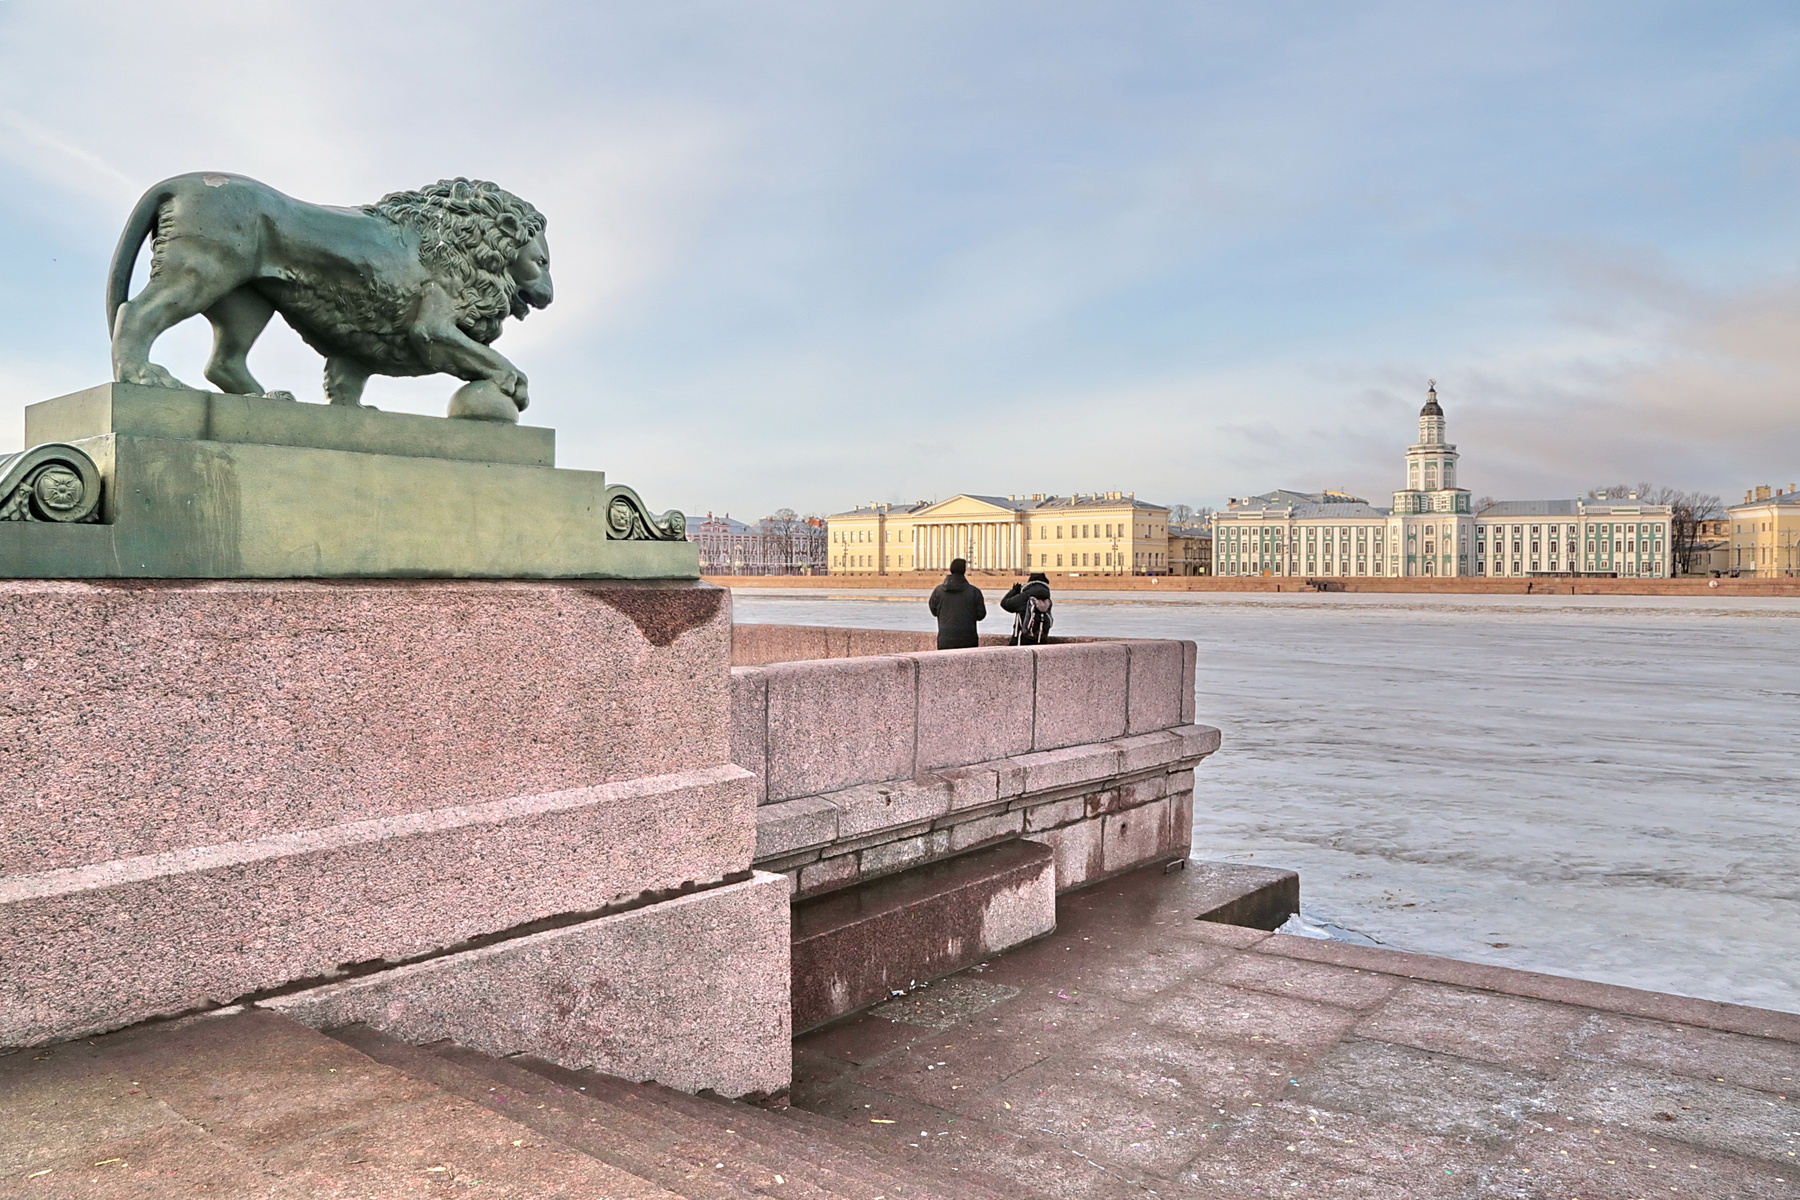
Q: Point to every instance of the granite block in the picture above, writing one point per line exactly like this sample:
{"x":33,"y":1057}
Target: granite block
{"x":1048,"y":770}
{"x":1760,"y":1063}
{"x":890,"y":833}
{"x":1324,"y":984}
{"x":750,"y":726}
{"x":1509,"y":1030}
{"x":791,"y":862}
{"x":892,"y":856}
{"x":1080,"y":694}
{"x":1142,"y":790}
{"x":1181,"y":823}
{"x":1135,"y":837}
{"x":1189,"y":652}
{"x":974,"y":705}
{"x":790,"y":825}
{"x":876,"y":806}
{"x":1077,"y":850}
{"x":1149,"y":750}
{"x":1009,"y":777}
{"x":1197,"y":741}
{"x":862,"y":642}
{"x":1153,"y":690}
{"x":1104,"y":800}
{"x":1058,"y":812}
{"x":972,"y":787}
{"x":148,"y":717}
{"x":690,"y":992}
{"x":95,"y":948}
{"x":854,"y":947}
{"x":826,"y":874}
{"x":837,"y":723}
{"x":753,"y":645}
{"x":965,"y":834}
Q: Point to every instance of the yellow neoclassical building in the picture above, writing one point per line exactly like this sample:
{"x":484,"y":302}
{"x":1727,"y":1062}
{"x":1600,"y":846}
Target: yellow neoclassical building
{"x":1765,"y":533}
{"x":1103,"y":533}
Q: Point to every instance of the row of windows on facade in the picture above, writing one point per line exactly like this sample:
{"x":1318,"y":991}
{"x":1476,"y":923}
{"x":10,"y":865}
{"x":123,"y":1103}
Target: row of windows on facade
{"x":1620,"y":535}
{"x":1111,"y":530}
{"x":1111,"y":559}
{"x":1603,"y":540}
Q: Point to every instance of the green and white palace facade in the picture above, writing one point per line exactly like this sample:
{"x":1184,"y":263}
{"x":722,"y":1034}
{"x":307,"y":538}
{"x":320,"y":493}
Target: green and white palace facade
{"x":1432,"y":529}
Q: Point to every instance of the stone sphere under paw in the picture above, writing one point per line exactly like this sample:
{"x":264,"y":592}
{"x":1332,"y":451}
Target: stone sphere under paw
{"x":483,"y":401}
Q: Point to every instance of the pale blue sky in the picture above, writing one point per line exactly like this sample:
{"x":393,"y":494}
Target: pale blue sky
{"x":820,"y":254}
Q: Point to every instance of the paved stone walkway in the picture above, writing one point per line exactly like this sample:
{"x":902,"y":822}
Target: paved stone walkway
{"x":1138,"y":1051}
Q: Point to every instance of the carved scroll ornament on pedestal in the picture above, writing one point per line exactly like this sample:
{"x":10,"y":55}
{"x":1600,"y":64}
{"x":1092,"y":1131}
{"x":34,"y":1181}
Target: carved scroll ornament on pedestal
{"x":627,"y":520}
{"x":52,"y":482}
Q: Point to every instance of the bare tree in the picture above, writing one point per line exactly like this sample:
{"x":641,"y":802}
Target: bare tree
{"x":1485,"y":502}
{"x":777,"y":537}
{"x":1180,"y":514}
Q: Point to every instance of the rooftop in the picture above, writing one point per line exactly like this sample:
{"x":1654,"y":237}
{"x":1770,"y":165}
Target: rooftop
{"x":1034,"y":503}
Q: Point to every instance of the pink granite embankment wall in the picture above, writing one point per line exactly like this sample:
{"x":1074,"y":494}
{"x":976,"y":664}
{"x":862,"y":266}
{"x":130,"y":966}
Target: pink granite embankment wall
{"x":807,"y":727}
{"x":209,"y":790}
{"x":139,"y":718}
{"x":880,"y":754}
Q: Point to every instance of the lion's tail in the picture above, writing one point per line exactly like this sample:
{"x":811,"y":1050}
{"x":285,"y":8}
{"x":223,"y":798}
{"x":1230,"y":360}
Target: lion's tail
{"x":141,"y":224}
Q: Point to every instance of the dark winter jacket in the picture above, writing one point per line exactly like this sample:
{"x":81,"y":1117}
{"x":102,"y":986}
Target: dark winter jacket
{"x":958,"y":604}
{"x":1016,"y":600}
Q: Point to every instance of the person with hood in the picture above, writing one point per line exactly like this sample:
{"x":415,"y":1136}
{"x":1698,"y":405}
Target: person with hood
{"x":1031,"y":603}
{"x":958,"y":604}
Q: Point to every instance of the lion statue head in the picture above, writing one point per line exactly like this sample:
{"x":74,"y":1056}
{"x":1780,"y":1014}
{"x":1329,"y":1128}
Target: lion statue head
{"x":475,"y":235}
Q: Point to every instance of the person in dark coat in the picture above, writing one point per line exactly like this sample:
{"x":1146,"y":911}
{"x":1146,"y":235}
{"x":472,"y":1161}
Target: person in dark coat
{"x":1031,"y":604}
{"x":958,"y":604}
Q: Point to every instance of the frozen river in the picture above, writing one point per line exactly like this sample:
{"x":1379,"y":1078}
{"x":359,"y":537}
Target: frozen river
{"x":1605,"y":787}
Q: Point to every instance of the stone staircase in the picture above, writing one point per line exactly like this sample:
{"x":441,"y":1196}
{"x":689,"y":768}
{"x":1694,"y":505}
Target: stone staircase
{"x":251,"y":1104}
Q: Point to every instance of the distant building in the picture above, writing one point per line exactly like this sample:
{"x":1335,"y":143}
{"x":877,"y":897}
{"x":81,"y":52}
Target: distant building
{"x":1103,"y":533}
{"x":772,"y":546}
{"x":1711,"y":554}
{"x":1765,"y":533}
{"x":1190,"y":550}
{"x":1431,"y":529}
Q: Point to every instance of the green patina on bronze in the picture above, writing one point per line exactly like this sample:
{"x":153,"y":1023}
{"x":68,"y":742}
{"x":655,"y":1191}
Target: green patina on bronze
{"x":148,"y":478}
{"x":419,"y":283}
{"x":203,"y":486}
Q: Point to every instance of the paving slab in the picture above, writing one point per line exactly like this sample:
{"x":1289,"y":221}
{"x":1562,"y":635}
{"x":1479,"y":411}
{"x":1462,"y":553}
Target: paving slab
{"x":250,"y":1104}
{"x":1140,"y":1050}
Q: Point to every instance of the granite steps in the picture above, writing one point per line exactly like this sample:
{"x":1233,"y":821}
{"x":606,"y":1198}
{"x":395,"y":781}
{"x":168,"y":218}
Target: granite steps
{"x":696,"y":1147}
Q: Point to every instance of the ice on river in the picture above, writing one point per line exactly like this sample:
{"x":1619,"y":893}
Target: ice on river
{"x":1603,"y":787}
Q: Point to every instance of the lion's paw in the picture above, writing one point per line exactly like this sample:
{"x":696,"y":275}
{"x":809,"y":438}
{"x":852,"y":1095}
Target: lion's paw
{"x":152,"y":375}
{"x":279,"y":395}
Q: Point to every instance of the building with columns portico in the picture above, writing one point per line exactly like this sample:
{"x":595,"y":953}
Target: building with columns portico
{"x":1433,"y":530}
{"x":1105,"y":533}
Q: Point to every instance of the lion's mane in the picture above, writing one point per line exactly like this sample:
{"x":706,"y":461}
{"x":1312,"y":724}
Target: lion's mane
{"x":464,"y":237}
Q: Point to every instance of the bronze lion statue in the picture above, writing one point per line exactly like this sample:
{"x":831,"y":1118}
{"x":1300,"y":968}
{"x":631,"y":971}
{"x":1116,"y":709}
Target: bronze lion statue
{"x":417,"y":284}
